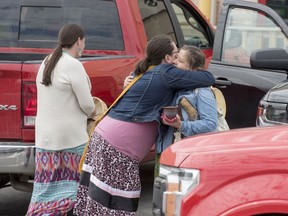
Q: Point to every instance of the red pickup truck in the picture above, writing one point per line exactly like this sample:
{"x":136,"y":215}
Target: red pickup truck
{"x":235,"y":173}
{"x":116,"y":35}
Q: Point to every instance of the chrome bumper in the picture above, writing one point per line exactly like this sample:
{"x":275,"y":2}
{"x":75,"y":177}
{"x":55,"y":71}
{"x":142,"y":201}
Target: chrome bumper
{"x":17,"y":158}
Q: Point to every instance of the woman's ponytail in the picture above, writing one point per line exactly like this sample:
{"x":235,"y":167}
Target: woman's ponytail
{"x":142,"y":66}
{"x":50,"y":63}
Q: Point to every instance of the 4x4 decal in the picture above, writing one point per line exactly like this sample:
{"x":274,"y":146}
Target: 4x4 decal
{"x":7,"y":107}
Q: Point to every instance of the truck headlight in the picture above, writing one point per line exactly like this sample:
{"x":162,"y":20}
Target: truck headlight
{"x":269,"y":114}
{"x":170,"y":187}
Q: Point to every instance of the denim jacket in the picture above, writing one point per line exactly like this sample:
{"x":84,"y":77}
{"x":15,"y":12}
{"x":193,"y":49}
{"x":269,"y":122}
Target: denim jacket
{"x":157,"y":88}
{"x":204,"y":102}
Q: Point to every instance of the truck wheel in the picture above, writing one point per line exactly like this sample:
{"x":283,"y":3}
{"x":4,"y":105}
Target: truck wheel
{"x":4,"y":179}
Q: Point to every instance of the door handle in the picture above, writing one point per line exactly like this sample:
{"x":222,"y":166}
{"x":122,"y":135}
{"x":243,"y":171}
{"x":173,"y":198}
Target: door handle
{"x":221,"y":82}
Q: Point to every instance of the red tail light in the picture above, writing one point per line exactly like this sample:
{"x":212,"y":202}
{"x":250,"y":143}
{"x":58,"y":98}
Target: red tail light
{"x":29,"y":95}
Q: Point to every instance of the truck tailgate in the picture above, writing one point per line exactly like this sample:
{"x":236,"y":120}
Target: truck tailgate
{"x":10,"y":100}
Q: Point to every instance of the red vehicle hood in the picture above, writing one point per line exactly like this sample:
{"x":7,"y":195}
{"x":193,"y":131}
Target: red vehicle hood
{"x":237,"y":141}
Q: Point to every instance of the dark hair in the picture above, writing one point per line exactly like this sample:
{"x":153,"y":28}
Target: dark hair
{"x":195,"y":57}
{"x":67,"y":36}
{"x":156,"y":49}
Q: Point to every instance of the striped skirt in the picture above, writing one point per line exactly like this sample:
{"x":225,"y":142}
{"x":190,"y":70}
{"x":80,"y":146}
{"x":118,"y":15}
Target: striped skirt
{"x":55,"y":182}
{"x":110,"y":182}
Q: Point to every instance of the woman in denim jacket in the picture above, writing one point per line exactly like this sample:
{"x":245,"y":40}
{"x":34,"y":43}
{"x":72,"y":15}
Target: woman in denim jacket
{"x":110,"y":182}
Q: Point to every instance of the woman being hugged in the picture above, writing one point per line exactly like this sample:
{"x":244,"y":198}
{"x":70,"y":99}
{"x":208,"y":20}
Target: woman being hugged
{"x":64,"y":102}
{"x":110,"y":182}
{"x":202,"y":99}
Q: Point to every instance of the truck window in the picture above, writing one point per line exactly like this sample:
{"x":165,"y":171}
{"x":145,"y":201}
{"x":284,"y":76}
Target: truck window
{"x":9,"y":13}
{"x":40,"y":22}
{"x":242,"y":36}
{"x":156,"y":19}
{"x":193,"y":32}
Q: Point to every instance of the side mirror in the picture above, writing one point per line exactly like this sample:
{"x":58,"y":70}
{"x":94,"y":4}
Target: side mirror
{"x":272,"y":58}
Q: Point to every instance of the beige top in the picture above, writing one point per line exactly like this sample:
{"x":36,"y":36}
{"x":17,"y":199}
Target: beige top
{"x":63,"y":108}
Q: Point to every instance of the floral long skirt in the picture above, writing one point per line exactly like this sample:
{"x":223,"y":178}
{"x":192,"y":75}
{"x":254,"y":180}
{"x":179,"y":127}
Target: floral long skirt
{"x":55,"y":182}
{"x":110,"y":182}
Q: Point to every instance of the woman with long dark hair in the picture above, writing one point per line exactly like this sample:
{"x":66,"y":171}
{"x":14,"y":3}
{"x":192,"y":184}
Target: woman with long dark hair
{"x":63,"y":106}
{"x":110,"y":181}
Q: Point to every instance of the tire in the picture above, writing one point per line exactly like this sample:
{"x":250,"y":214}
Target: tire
{"x":4,"y":179}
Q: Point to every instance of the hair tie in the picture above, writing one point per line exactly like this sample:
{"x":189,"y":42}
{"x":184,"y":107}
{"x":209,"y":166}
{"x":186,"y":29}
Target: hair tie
{"x":61,"y":44}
